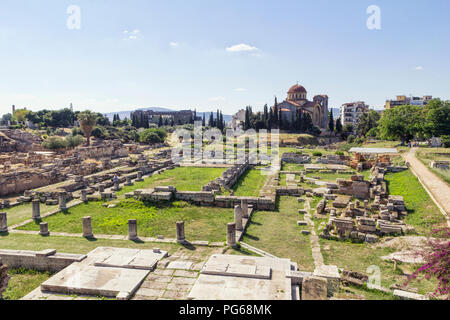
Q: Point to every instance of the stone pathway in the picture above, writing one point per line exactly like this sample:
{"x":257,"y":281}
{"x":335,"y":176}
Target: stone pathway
{"x":438,"y":189}
{"x":314,"y":238}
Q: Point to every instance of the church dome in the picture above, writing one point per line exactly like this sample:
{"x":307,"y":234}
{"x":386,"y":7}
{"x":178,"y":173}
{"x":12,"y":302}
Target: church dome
{"x":297,"y":89}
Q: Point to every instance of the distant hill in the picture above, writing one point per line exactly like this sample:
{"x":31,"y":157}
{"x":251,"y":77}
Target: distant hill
{"x":127,"y":114}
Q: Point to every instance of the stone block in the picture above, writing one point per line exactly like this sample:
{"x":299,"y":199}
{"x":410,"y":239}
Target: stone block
{"x":314,"y":288}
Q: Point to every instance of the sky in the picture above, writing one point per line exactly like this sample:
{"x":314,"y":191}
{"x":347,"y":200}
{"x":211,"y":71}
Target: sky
{"x":210,"y":54}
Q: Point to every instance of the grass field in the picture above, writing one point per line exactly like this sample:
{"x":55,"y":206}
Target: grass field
{"x":277,"y":233}
{"x":22,"y":212}
{"x":23,"y":281}
{"x":292,"y":167}
{"x":201,"y":223}
{"x":250,"y":183}
{"x":422,"y":212}
{"x":183,"y":178}
{"x":358,"y":257}
{"x":426,"y":155}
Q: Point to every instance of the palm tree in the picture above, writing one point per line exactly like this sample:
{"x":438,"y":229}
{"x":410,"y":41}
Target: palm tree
{"x":87,"y":120}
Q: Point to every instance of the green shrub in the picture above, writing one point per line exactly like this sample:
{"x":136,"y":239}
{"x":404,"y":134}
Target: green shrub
{"x":100,"y":133}
{"x":54,"y":143}
{"x":339,"y":153}
{"x":446,"y":141}
{"x":153,"y":135}
{"x":74,"y":141}
{"x":351,"y":138}
{"x":317,"y":154}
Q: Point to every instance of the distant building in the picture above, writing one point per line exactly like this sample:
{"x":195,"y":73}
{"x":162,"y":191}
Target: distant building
{"x":350,"y":112}
{"x":179,"y":117}
{"x":297,"y":99}
{"x":402,"y":100}
{"x":238,"y":119}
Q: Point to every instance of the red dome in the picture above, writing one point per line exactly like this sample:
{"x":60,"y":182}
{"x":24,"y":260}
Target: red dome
{"x":297,"y":89}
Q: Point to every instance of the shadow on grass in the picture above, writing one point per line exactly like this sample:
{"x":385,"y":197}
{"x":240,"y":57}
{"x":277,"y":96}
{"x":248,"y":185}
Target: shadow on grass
{"x":188,"y":246}
{"x":251,"y":237}
{"x":4,"y":234}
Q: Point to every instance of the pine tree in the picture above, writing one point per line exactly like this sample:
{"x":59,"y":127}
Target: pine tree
{"x":172,"y":123}
{"x":331,"y":121}
{"x":160,"y":122}
{"x":211,"y":120}
{"x":338,"y":125}
{"x":204,"y":120}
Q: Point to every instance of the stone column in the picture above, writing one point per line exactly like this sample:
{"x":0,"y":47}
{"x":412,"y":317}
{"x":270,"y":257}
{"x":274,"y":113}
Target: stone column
{"x":44,"y":229}
{"x":139,"y":176}
{"x":87,"y":227}
{"x":62,"y":201}
{"x":231,"y":234}
{"x":3,"y":222}
{"x":36,"y":209}
{"x":238,"y":218}
{"x":244,"y":206}
{"x":132,"y":229}
{"x":83,"y":195}
{"x":180,"y":232}
{"x":101,"y":188}
{"x":129,"y":183}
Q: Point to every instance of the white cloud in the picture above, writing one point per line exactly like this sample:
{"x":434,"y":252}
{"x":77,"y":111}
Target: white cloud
{"x":240,"y":89}
{"x":418,"y":68}
{"x":216,"y":99}
{"x":174,"y":44}
{"x":241,"y":48}
{"x":131,"y":35}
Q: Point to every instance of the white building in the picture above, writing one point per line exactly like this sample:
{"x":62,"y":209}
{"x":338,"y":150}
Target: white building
{"x":350,"y":112}
{"x":238,"y":119}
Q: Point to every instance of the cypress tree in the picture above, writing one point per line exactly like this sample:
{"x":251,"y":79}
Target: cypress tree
{"x":331,"y":121}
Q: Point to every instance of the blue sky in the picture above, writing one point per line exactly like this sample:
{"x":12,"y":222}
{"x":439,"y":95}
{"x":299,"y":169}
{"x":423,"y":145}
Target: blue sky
{"x":173,"y":53}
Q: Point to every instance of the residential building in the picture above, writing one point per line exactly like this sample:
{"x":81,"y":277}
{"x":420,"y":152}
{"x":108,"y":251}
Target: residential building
{"x":350,"y":112}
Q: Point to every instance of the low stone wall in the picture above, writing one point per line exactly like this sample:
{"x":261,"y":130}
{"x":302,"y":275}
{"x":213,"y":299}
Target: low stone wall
{"x":46,"y":260}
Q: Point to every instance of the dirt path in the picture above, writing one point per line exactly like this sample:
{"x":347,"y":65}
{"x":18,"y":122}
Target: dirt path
{"x":438,"y":189}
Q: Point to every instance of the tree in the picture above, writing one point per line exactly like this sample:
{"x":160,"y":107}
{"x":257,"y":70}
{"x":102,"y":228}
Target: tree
{"x":20,"y":115}
{"x":401,"y":123}
{"x":437,"y":118}
{"x":338,"y":125}
{"x":88,"y":121}
{"x":204,"y":120}
{"x":5,"y":118}
{"x":437,"y":261}
{"x":331,"y":121}
{"x":366,"y":122}
{"x":160,"y":121}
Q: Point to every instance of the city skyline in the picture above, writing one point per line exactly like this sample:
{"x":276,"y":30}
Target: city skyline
{"x":209,"y":56}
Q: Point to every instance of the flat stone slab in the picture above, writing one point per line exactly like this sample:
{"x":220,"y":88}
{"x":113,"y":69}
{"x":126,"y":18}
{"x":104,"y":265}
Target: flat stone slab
{"x":91,"y":280}
{"x":232,"y":277}
{"x":181,"y":265}
{"x":107,"y":272}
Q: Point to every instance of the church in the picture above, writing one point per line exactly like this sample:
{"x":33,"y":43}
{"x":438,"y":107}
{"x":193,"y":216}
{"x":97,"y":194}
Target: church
{"x":297,"y":99}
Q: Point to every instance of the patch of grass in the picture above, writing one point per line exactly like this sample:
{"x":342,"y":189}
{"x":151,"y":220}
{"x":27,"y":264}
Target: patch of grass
{"x":250,"y":183}
{"x":358,"y":257}
{"x":277,"y":233}
{"x":292,"y":167}
{"x":23,"y":281}
{"x":22,"y":212}
{"x":331,"y":177}
{"x":201,"y":223}
{"x":183,"y":178}
{"x":427,"y":155}
{"x":423,"y":214}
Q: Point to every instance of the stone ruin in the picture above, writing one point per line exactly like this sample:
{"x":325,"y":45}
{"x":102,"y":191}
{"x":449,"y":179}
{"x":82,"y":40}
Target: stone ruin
{"x":4,"y":278}
{"x":334,"y":159}
{"x":228,"y":179}
{"x":291,"y":157}
{"x":360,"y":220}
{"x":440,"y":164}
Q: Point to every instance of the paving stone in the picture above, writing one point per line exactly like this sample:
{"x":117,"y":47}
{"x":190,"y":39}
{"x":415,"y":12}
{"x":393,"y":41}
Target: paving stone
{"x":175,"y":295}
{"x":179,"y":287}
{"x":154,"y":285}
{"x":165,"y":272}
{"x":146,"y":292}
{"x":185,"y":265}
{"x":184,"y":273}
{"x":179,"y":280}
